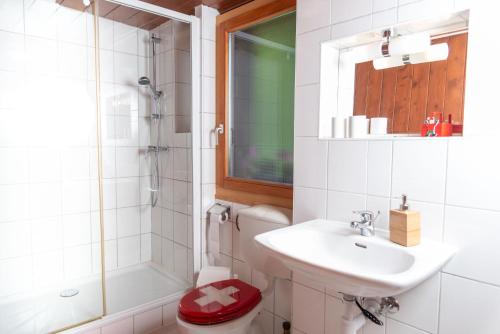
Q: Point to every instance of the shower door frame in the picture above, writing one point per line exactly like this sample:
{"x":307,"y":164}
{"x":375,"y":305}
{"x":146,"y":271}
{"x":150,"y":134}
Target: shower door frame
{"x":194,"y":23}
{"x":195,"y":110}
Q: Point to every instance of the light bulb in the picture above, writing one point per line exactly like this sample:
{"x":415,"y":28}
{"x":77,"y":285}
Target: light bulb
{"x":409,"y":44}
{"x":387,"y":62}
{"x":435,"y":52}
{"x":367,"y":52}
{"x":86,"y":3}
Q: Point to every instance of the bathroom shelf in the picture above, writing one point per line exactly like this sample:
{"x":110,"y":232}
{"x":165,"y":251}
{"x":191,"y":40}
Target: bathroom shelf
{"x":391,"y":138}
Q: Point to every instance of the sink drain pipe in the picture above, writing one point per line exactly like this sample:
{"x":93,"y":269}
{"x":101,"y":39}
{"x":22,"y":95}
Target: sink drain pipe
{"x":351,"y":321}
{"x":369,"y":315}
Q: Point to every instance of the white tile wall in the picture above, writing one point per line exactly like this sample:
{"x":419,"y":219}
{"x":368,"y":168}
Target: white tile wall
{"x":148,"y":321}
{"x":47,"y":269}
{"x":347,"y":166}
{"x":125,"y":326}
{"x":171,"y":222}
{"x":129,"y":251}
{"x":468,"y":306}
{"x":400,"y":328}
{"x":380,"y":5}
{"x":421,"y":306}
{"x":314,"y":153}
{"x":413,"y":174}
{"x":308,"y":309}
{"x":424,"y":9}
{"x":453,"y":183}
{"x":346,"y":28}
{"x":384,"y":19}
{"x":208,"y":59}
{"x":466,"y":186}
{"x":308,"y":52}
{"x":313,"y":15}
{"x":11,"y":16}
{"x":342,"y":204}
{"x":345,"y":11}
{"x":379,"y":168}
{"x":307,"y":110}
{"x":309,"y":203}
{"x":475,"y":234}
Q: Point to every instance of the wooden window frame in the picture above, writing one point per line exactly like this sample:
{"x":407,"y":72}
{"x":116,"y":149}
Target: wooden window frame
{"x":245,"y":191}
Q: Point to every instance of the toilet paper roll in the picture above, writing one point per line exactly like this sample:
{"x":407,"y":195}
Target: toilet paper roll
{"x":338,"y":127}
{"x":358,"y":126}
{"x":213,"y":234}
{"x":378,"y":126}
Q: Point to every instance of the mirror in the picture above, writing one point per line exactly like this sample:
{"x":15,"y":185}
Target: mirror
{"x":406,"y":80}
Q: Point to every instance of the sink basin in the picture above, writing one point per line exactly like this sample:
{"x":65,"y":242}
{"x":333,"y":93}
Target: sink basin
{"x":333,"y":254}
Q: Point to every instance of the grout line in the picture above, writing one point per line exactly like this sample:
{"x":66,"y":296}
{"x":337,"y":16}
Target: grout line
{"x":61,"y":214}
{"x":472,"y":279}
{"x":411,"y":326}
{"x":440,"y":299}
{"x":445,"y":190}
{"x":367,"y":149}
{"x":327,"y":179}
{"x":324,"y":312}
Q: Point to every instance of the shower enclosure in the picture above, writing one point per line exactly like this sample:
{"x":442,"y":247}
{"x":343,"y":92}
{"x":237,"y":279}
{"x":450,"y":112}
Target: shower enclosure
{"x":97,"y":190}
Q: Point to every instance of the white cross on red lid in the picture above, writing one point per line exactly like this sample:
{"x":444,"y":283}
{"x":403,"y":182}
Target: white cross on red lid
{"x":212,"y":294}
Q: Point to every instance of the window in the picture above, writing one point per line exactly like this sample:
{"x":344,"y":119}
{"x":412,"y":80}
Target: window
{"x":255,"y":102}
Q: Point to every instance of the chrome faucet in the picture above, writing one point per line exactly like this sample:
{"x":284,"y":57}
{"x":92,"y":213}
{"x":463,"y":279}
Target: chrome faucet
{"x":367,"y":223}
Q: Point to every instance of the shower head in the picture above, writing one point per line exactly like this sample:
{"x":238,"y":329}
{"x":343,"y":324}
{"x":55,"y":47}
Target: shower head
{"x":144,"y":81}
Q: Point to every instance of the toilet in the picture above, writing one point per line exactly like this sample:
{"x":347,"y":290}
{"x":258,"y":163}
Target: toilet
{"x":222,"y":304}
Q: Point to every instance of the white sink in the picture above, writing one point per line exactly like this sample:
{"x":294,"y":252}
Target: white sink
{"x":335,"y":255}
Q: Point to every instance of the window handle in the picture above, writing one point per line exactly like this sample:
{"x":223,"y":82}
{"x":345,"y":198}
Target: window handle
{"x":219,"y":130}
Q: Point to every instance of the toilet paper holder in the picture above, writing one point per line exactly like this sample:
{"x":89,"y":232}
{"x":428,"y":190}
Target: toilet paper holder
{"x":221,"y":210}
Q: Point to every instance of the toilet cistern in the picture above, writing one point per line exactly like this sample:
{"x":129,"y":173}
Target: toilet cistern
{"x":367,"y":223}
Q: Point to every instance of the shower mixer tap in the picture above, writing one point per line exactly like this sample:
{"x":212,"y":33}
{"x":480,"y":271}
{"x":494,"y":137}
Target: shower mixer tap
{"x":157,"y":149}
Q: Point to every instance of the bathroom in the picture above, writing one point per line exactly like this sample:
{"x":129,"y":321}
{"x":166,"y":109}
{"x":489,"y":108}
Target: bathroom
{"x":118,"y":157}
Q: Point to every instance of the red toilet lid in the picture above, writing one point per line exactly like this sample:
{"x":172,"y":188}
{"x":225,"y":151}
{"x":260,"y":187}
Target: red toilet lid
{"x":218,"y":302}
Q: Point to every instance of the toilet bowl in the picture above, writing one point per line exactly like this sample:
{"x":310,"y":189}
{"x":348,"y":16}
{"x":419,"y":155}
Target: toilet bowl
{"x":238,"y":303}
{"x":228,"y":305}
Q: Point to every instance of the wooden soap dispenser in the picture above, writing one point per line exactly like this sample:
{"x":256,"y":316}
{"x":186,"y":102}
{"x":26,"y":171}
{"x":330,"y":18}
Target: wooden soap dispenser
{"x":404,"y":225}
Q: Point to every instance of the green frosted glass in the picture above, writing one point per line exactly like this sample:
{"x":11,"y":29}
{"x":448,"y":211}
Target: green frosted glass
{"x":261,"y":99}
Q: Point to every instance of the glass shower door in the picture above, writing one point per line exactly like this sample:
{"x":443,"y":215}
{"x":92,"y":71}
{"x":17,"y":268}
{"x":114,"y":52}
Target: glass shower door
{"x":146,"y":92}
{"x":50,"y":242}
